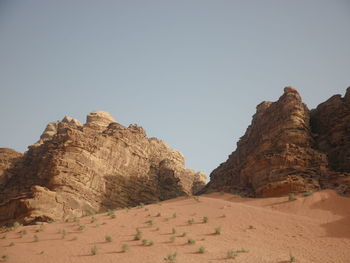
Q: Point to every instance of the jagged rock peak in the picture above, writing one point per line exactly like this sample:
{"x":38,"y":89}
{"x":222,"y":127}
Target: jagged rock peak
{"x":99,"y":119}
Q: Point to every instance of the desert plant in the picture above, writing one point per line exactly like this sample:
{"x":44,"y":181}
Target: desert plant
{"x":23,"y":232}
{"x":74,"y":238}
{"x":191,"y":241}
{"x":201,"y":250}
{"x":94,"y":250}
{"x":190,"y":221}
{"x":64,"y":233}
{"x":308,"y":194}
{"x":242,"y":250}
{"x":16,"y":225}
{"x":150,"y":222}
{"x":93,"y":220}
{"x":217,"y":230}
{"x":231,"y":254}
{"x":108,"y":239}
{"x":11,"y":244}
{"x":4,"y":257}
{"x":291,"y":197}
{"x":36,"y":238}
{"x":171,"y":257}
{"x":150,"y":243}
{"x":158,"y":215}
{"x":81,"y":227}
{"x":251,"y":227}
{"x":144,"y":242}
{"x":172,"y":239}
{"x":205,"y":219}
{"x":157,"y":229}
{"x":4,"y":236}
{"x":196,"y":198}
{"x":173,"y":231}
{"x":183,"y":234}
{"x":174,"y":215}
{"x":125,"y":247}
{"x":292,"y":259}
{"x":138,"y":234}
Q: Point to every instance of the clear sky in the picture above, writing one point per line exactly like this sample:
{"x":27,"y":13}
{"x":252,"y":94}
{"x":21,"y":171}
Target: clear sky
{"x":191,"y":72}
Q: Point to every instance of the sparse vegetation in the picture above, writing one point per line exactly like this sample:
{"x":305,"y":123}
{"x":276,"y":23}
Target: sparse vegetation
{"x":217,"y":230}
{"x":64,"y":233}
{"x":251,"y":227}
{"x":205,"y":219}
{"x":4,"y":236}
{"x":158,"y":215}
{"x":74,"y":238}
{"x":5,"y":257}
{"x":150,"y":222}
{"x":191,"y":241}
{"x":142,"y":205}
{"x":292,"y":259}
{"x":94,"y":250}
{"x":183,"y":234}
{"x":231,"y":254}
{"x":108,"y":239}
{"x":171,"y":257}
{"x":242,"y":250}
{"x":157,"y":229}
{"x":308,"y":194}
{"x":93,"y":220}
{"x":138,"y":234}
{"x":11,"y":244}
{"x":81,"y":227}
{"x":201,"y":250}
{"x":223,"y":216}
{"x":36,"y":238}
{"x":16,"y":225}
{"x":125,"y":247}
{"x":190,"y":221}
{"x":173,"y":231}
{"x":172,"y":239}
{"x":23,"y":232}
{"x":196,"y":198}
{"x":174,"y":215}
{"x":291,"y":197}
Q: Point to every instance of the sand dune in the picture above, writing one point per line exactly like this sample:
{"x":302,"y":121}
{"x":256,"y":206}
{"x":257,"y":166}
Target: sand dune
{"x":311,"y":229}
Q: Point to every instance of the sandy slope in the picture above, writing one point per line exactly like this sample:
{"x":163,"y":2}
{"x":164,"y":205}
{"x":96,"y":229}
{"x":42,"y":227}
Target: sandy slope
{"x":312,"y":229}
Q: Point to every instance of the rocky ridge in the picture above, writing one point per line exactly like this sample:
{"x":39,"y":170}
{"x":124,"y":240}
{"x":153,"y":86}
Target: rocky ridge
{"x":290,"y":149}
{"x":76,"y":169}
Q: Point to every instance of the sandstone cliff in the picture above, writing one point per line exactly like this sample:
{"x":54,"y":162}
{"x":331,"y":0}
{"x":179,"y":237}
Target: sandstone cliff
{"x":288,"y":149}
{"x":75,"y":169}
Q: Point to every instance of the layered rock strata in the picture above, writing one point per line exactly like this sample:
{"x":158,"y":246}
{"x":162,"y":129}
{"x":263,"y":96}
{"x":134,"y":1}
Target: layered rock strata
{"x":288,"y":149}
{"x":75,"y":169}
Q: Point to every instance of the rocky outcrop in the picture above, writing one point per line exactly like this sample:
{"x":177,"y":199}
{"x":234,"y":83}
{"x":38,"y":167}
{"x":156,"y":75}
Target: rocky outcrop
{"x":75,"y":169}
{"x":284,"y":151}
{"x":8,"y":159}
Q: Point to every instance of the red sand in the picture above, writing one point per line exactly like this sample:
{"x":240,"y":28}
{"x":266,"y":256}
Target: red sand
{"x":312,"y":229}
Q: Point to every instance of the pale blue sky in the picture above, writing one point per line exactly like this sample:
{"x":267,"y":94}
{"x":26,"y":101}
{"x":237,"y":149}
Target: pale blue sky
{"x":191,"y":72}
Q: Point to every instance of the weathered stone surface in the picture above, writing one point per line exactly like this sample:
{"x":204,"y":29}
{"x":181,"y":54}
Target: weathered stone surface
{"x":8,"y":159}
{"x":100,"y":165}
{"x":281,"y":153}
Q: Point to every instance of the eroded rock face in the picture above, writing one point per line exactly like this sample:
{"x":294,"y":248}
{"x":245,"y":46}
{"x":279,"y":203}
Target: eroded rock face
{"x":8,"y":160}
{"x":100,"y":165}
{"x":281,"y":153}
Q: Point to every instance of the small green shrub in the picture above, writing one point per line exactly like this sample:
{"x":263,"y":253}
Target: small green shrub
{"x":4,"y":236}
{"x":16,"y":225}
{"x":11,"y":244}
{"x":74,"y":238}
{"x":150,"y":222}
{"x":217,"y":230}
{"x":36,"y":238}
{"x":191,"y":241}
{"x":4,"y":257}
{"x":108,"y":239}
{"x":125,"y":247}
{"x":291,"y":197}
{"x":173,"y":231}
{"x":158,"y":215}
{"x":308,"y":194}
{"x":292,"y":259}
{"x":64,"y":233}
{"x":183,"y":234}
{"x":138,"y":234}
{"x":242,"y":250}
{"x":81,"y":227}
{"x":94,"y":250}
{"x":201,"y":250}
{"x":93,"y":220}
{"x":205,"y":219}
{"x":172,"y":239}
{"x":174,"y":215}
{"x":190,"y":221}
{"x":231,"y":254}
{"x":171,"y":257}
{"x":157,"y":229}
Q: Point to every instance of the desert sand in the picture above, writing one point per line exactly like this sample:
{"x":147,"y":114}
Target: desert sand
{"x":310,"y":229}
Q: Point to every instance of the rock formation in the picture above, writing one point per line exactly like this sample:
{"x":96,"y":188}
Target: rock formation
{"x":288,"y":149}
{"x":75,"y":169}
